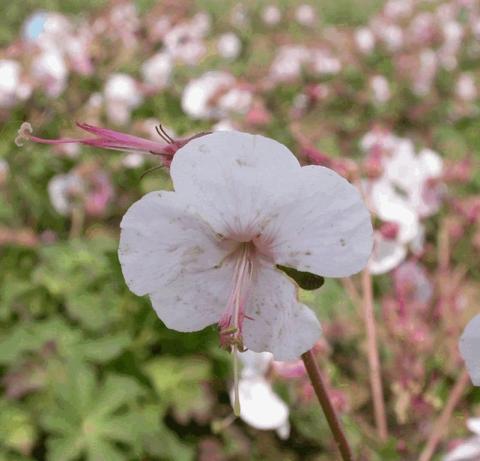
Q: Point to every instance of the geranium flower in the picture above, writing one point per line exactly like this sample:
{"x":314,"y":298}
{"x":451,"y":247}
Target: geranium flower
{"x":208,"y":252}
{"x":261,"y":407}
{"x":470,"y":349}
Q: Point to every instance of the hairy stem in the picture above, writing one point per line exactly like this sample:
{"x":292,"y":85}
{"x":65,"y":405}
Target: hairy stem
{"x":373,"y":357}
{"x":442,"y":423}
{"x":327,"y":407}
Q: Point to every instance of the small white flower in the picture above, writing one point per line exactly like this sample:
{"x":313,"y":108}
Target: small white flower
{"x":207,"y":253}
{"x":470,"y":349}
{"x":288,"y":63}
{"x":50,"y":71}
{"x":229,"y":46}
{"x":62,"y":190}
{"x":470,"y":449}
{"x":466,"y":88}
{"x":157,"y":70}
{"x":261,"y":407}
{"x":121,"y":97}
{"x":271,"y":15}
{"x":380,"y":88}
{"x":305,"y":15}
{"x":387,"y":254}
{"x":201,"y":96}
{"x":10,"y":84}
{"x":365,"y":40}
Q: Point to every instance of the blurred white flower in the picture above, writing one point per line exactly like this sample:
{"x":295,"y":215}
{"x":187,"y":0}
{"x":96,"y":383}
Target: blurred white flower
{"x":465,"y":87}
{"x":207,"y":253}
{"x":305,"y":15}
{"x":184,"y":42}
{"x":324,"y":63}
{"x":4,"y":171}
{"x":198,"y":95}
{"x":470,"y":349}
{"x":156,"y":70}
{"x":50,"y":72}
{"x":229,"y":46}
{"x":236,"y":100}
{"x":364,"y":39}
{"x":63,"y":189}
{"x":271,"y":15}
{"x":396,"y":9}
{"x":404,"y":193}
{"x":121,"y":97}
{"x":261,"y":407}
{"x":470,"y":449}
{"x":224,"y":125}
{"x":390,"y":34}
{"x":424,"y":75}
{"x":12,"y":89}
{"x":380,"y":88}
{"x":387,"y":254}
{"x":288,"y":63}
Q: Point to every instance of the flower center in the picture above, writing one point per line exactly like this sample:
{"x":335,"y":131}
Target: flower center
{"x":231,"y":321}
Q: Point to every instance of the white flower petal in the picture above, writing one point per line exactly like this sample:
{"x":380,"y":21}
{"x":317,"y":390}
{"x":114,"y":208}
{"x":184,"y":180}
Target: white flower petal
{"x":474,"y":425}
{"x":390,"y":206}
{"x":260,"y":407}
{"x":255,"y":363}
{"x":470,"y":349}
{"x":160,"y":238}
{"x":387,"y":254}
{"x":276,"y":321}
{"x":233,"y":179}
{"x":431,"y":164}
{"x":467,"y":451}
{"x":193,"y":301}
{"x":325,"y":228}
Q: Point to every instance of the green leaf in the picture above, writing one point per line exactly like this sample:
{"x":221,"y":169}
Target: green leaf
{"x":305,"y":280}
{"x":17,"y":428}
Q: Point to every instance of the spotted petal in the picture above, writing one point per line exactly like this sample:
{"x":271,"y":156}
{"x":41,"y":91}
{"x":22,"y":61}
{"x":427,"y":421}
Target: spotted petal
{"x":275,"y":320}
{"x":324,"y":228}
{"x":235,"y":180}
{"x":161,"y":237}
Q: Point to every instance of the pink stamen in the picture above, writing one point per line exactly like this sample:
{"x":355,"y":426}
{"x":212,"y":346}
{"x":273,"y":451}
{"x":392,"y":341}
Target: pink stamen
{"x":231,"y":322}
{"x":114,"y":140}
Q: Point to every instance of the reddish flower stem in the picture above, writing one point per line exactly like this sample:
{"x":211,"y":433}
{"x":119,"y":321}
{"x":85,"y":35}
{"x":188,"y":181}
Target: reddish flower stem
{"x":373,"y":357}
{"x":321,"y":391}
{"x":442,"y":423}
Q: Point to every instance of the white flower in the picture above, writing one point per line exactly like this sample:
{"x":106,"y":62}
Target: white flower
{"x":381,"y":89}
{"x":466,"y":88}
{"x":261,"y":407}
{"x":305,"y":15}
{"x":401,"y":196}
{"x":288,"y":63}
{"x":9,"y":82}
{"x":470,"y":449}
{"x":121,"y":97}
{"x":365,"y":40}
{"x":184,"y":42}
{"x":62,"y":190}
{"x":271,"y":15}
{"x":157,"y":70}
{"x":50,"y":71}
{"x":229,"y":46}
{"x":470,"y":349}
{"x":387,"y":254}
{"x":207,"y":253}
{"x":200,"y":98}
